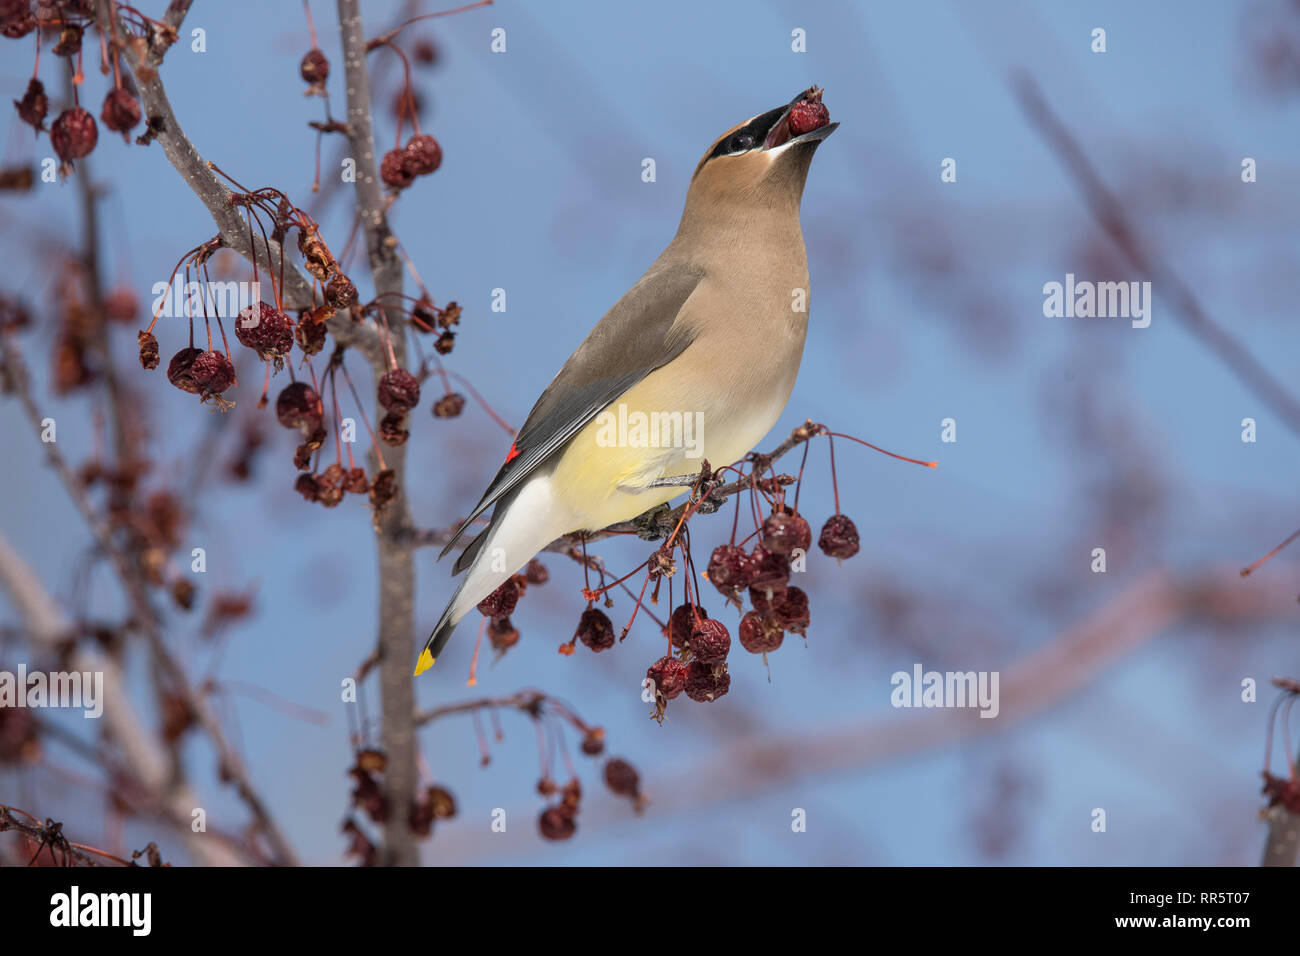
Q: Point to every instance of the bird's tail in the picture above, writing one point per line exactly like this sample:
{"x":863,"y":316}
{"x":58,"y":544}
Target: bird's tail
{"x":520,"y":527}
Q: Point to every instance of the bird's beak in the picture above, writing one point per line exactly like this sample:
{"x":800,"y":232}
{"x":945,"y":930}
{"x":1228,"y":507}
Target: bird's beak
{"x":779,"y":135}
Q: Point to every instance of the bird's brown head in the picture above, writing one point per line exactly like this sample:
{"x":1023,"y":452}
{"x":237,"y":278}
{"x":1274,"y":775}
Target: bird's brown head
{"x":764,"y":160}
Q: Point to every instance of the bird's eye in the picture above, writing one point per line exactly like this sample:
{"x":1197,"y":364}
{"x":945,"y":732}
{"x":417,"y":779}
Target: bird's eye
{"x":740,"y":142}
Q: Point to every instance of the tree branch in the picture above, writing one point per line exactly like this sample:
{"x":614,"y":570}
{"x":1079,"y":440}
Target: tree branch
{"x":1108,"y":212}
{"x":396,"y":564}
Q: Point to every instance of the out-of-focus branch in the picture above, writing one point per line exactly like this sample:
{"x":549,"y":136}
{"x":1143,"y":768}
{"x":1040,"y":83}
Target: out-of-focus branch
{"x":146,"y":617}
{"x":1283,"y":845}
{"x":396,"y":564}
{"x":1106,"y":209}
{"x":1038,"y":681}
{"x":146,"y":758}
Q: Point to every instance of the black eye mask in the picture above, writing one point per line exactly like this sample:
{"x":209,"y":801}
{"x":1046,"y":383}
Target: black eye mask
{"x":748,"y":136}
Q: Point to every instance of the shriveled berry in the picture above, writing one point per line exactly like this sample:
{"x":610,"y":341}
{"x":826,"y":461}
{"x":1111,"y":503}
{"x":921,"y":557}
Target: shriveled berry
{"x":809,"y":114}
{"x":69,"y":42}
{"x":449,"y":406}
{"x":682,"y":622}
{"x":502,"y":601}
{"x":392,"y":430}
{"x":266,"y":330}
{"x":706,"y":682}
{"x":399,"y":391}
{"x":423,"y":154}
{"x":180,"y":370}
{"x":771,"y":570}
{"x":15,"y":14}
{"x":444,"y":343}
{"x":121,"y":111}
{"x":621,"y":777}
{"x":74,"y":134}
{"x":535,"y":572}
{"x":148,"y":350}
{"x":298,"y":406}
{"x":593,"y":742}
{"x":394,"y":171}
{"x":314,"y":68}
{"x":785,"y":532}
{"x":839,"y":537}
{"x":310,"y":336}
{"x":557,"y":823}
{"x":356,"y":482}
{"x":425,"y":52}
{"x":669,"y":676}
{"x":34,"y":105}
{"x":761,"y":601}
{"x":759,"y":634}
{"x":213,"y":373}
{"x":790,"y":611}
{"x":595,"y":629}
{"x":710,"y":641}
{"x":502,"y":634}
{"x":444,"y":804}
{"x":340,"y":292}
{"x":730,"y":569}
{"x":120,"y":305}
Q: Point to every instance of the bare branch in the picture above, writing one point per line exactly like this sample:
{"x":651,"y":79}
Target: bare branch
{"x":396,"y":565}
{"x":1108,"y":212}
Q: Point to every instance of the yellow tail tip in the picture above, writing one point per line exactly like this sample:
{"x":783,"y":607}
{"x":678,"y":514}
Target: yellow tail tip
{"x":424,"y":663}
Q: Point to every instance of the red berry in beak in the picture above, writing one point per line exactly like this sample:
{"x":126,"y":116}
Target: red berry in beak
{"x":808,"y":114}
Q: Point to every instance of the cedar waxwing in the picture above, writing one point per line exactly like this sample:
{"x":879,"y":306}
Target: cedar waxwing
{"x":707,"y":343}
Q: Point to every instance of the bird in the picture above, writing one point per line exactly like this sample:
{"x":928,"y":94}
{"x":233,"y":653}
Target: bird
{"x":711,"y":335}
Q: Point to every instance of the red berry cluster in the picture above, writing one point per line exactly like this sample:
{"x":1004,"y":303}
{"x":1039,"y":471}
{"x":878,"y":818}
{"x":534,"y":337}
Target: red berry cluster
{"x":419,"y":157}
{"x":500,"y":604}
{"x":73,"y":133}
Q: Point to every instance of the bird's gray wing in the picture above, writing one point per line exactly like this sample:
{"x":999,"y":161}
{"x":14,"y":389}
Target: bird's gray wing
{"x":638,"y":335}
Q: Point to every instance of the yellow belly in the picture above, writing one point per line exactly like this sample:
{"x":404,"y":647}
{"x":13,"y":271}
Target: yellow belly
{"x":653,"y":432}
